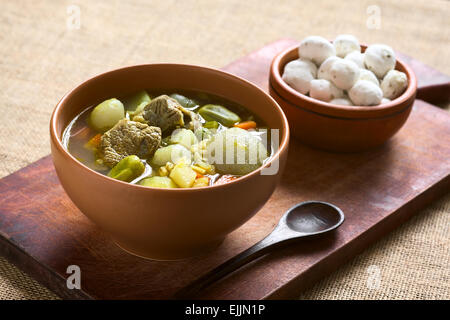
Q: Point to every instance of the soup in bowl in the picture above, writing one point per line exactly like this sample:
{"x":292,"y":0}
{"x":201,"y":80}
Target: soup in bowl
{"x":168,"y":159}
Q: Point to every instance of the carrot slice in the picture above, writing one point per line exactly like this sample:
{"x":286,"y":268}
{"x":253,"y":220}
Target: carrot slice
{"x":94,"y":142}
{"x":246,"y":125}
{"x":225,"y":179}
{"x":199,"y":175}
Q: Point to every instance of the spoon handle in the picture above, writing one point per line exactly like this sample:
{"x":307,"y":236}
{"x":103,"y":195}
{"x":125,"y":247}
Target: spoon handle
{"x":255,"y":251}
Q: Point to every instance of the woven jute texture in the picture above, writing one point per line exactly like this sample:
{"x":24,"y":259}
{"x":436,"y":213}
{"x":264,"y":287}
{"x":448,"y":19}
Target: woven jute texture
{"x":43,"y":54}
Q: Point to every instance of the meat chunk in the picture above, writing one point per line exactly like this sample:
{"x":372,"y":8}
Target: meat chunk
{"x":163,"y":112}
{"x":129,"y":138}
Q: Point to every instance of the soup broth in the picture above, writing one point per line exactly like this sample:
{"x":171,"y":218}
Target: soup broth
{"x":169,"y":140}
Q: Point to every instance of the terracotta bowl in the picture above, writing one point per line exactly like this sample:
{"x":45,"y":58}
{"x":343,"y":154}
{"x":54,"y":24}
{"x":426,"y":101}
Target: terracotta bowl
{"x":165,"y":223}
{"x":339,"y":128}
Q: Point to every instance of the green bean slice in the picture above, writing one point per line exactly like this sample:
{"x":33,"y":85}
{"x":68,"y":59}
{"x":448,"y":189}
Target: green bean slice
{"x":214,"y":112}
{"x":184,"y":101}
{"x":128,"y":169}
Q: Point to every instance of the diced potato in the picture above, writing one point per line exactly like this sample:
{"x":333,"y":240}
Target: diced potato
{"x":106,"y":115}
{"x":201,"y":182}
{"x":183,"y":175}
{"x":158,"y":182}
{"x":184,"y":137}
{"x":173,"y":153}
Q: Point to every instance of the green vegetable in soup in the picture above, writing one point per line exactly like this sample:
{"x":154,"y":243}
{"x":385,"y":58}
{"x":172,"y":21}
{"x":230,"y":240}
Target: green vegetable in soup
{"x":211,"y":124}
{"x":128,"y":169}
{"x":184,"y":101}
{"x":137,"y":99}
{"x":184,"y":137}
{"x":138,"y":110}
{"x":214,"y":112}
{"x":236,"y":151}
{"x":106,"y":115}
{"x":173,"y":153}
{"x":158,"y":182}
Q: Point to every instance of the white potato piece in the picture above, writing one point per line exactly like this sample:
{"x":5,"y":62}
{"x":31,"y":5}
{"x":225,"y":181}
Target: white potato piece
{"x":324,"y":90}
{"x":357,"y":57}
{"x":299,"y":73}
{"x":385,"y":100}
{"x":316,"y":49}
{"x":342,"y":102}
{"x":324,"y":69}
{"x":368,"y":75}
{"x":394,"y":84}
{"x":346,"y":43}
{"x":344,"y":73}
{"x":379,"y":58}
{"x":308,"y":64}
{"x":365,"y":93}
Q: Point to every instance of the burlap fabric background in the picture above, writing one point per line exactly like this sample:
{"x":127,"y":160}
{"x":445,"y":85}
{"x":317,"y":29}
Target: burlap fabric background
{"x":41,"y":58}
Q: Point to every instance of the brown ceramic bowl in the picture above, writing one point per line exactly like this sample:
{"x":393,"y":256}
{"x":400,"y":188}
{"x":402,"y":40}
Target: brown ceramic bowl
{"x":165,"y":223}
{"x":334,"y":127}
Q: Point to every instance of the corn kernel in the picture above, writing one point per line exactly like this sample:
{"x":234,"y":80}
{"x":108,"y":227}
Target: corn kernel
{"x":163,"y":171}
{"x":198,"y":169}
{"x":169,"y":166}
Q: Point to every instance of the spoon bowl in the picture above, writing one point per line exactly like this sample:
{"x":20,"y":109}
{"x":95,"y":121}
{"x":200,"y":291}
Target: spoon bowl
{"x":314,"y":217}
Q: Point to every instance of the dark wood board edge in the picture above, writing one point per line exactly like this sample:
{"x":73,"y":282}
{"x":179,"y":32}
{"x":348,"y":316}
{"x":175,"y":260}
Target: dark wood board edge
{"x":41,"y":273}
{"x":338,"y":258}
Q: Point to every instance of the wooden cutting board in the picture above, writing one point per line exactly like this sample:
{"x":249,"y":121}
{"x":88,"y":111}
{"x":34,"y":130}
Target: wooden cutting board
{"x":43,"y":233}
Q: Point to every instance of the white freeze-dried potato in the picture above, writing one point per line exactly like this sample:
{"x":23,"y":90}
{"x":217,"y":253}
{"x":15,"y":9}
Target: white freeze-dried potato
{"x":394,"y":84}
{"x":299,"y":73}
{"x":324,"y":90}
{"x":304,"y":64}
{"x":311,"y":66}
{"x":368,"y":75}
{"x":316,"y":48}
{"x":357,"y":57}
{"x":341,"y":74}
{"x":344,"y":73}
{"x":365,"y":93}
{"x":379,"y":58}
{"x":342,"y":102}
{"x":324,"y":69}
{"x":346,"y":43}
